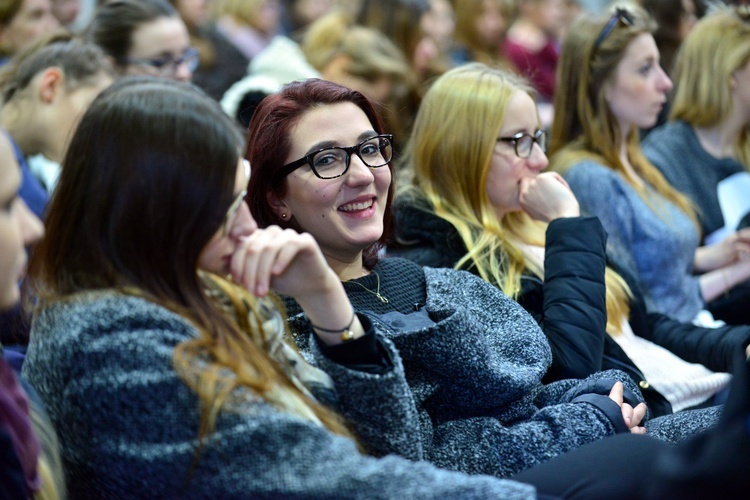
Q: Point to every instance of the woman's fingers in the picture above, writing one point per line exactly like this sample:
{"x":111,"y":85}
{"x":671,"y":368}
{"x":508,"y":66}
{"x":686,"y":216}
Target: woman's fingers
{"x":282,"y":259}
{"x":616,"y":393}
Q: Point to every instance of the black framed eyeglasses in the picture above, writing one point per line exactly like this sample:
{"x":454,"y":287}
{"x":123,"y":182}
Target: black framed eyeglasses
{"x":523,"y":143}
{"x":168,"y":65}
{"x":620,"y":15}
{"x":329,"y":163}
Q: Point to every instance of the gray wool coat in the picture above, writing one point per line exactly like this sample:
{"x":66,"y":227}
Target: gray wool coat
{"x":475,"y":373}
{"x":127,"y":424}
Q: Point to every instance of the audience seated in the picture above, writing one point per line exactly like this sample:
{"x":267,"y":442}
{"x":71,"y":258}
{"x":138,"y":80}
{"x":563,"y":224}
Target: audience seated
{"x":612,"y":84}
{"x":707,"y":143}
{"x":163,"y":380}
{"x":221,"y":63}
{"x":345,"y":205}
{"x":480,"y":202}
{"x":144,"y":37}
{"x":21,"y":23}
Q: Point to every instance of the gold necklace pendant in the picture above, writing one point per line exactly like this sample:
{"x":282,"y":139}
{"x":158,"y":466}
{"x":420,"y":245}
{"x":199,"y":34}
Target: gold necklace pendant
{"x":376,"y":292}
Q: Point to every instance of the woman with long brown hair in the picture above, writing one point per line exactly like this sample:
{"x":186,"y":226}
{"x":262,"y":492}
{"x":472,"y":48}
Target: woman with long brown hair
{"x":164,"y":380}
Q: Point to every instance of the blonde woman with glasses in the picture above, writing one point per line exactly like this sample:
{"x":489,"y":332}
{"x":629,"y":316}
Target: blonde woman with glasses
{"x":482,"y":202}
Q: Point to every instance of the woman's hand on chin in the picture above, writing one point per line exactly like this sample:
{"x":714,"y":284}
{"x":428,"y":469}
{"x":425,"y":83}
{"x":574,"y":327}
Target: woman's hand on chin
{"x":283,"y":260}
{"x":547,"y":197}
{"x":292,"y":264}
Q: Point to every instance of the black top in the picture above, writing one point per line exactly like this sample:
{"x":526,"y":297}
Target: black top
{"x":569,"y":304}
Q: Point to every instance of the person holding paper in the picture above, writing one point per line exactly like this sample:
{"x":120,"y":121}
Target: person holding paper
{"x":616,"y":87}
{"x":704,"y":151}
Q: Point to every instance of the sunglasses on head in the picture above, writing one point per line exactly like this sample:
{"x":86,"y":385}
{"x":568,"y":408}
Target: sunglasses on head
{"x":620,"y":15}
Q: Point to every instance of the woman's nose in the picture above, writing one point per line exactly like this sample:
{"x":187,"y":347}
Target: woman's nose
{"x":243,"y":224}
{"x":32,"y":229}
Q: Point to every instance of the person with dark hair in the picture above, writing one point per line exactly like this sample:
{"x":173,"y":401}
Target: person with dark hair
{"x":145,"y":37}
{"x":44,"y":90}
{"x":164,"y":380}
{"x":29,"y":466}
{"x":22,"y":22}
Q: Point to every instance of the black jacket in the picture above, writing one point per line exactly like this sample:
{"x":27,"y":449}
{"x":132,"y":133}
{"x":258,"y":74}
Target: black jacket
{"x":569,"y":304}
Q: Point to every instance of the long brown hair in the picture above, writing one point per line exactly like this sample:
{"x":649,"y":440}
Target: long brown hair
{"x":584,"y":126}
{"x":145,"y":185}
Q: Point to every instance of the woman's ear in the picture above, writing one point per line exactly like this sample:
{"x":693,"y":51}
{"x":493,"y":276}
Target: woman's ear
{"x":51,"y":82}
{"x":278,"y":206}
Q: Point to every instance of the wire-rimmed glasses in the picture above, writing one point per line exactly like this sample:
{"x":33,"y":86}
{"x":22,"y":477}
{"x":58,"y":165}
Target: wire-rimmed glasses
{"x":167,"y":65}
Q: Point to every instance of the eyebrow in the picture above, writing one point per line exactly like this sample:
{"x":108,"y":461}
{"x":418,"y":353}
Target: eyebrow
{"x":520,"y":130}
{"x":333,"y":144}
{"x":165,"y":54}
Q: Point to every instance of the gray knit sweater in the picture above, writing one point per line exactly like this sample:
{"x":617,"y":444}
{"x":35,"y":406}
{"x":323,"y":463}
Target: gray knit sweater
{"x":475,"y":374}
{"x":655,"y":241}
{"x":102,"y":363}
{"x":676,"y":151}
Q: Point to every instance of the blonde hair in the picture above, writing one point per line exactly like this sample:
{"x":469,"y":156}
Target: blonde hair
{"x":49,"y":463}
{"x":450,"y":166}
{"x":244,"y":11}
{"x":370,"y":53}
{"x":715,"y":49}
{"x":584,"y":127}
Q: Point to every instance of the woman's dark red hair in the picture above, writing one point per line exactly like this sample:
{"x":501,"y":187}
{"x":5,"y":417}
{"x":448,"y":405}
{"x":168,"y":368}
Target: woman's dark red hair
{"x":269,"y":145}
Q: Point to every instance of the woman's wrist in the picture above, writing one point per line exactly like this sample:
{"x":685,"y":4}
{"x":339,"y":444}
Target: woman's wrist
{"x":330,"y":312}
{"x":337,"y":335}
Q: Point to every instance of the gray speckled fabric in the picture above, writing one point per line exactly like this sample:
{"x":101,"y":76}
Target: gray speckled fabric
{"x":656,"y":249}
{"x":102,"y":363}
{"x":476,"y":373}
